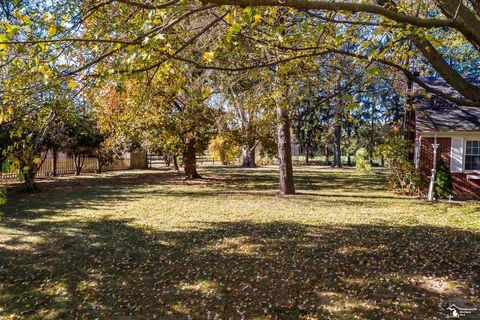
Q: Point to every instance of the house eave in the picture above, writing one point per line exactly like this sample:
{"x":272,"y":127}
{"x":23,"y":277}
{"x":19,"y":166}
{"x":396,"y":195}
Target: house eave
{"x":448,"y":134}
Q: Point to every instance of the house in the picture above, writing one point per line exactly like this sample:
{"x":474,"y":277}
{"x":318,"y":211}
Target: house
{"x":456,"y":130}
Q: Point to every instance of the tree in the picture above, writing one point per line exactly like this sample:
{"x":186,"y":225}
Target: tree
{"x":307,"y":126}
{"x":82,"y":137}
{"x":223,"y":147}
{"x":166,"y":111}
{"x":55,"y":141}
{"x":462,"y":18}
{"x":236,"y":36}
{"x":396,"y":150}
{"x":108,"y":152}
{"x":248,"y":117}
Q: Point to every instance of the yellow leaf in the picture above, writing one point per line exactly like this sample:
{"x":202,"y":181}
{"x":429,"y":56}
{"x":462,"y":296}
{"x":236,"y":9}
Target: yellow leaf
{"x":257,"y":17}
{"x":52,"y":30}
{"x":209,"y":55}
{"x":71,"y":83}
{"x":229,"y":18}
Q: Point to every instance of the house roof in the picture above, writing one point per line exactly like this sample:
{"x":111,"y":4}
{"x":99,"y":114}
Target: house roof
{"x":434,"y":113}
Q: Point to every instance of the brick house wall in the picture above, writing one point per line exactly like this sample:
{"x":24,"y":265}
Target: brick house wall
{"x":462,"y":187}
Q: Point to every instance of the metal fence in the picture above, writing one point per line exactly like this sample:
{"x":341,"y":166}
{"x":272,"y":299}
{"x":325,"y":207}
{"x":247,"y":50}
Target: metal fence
{"x":67,"y":167}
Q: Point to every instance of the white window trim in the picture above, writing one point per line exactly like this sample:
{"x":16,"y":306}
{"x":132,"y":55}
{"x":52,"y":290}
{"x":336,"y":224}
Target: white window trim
{"x":465,"y":139}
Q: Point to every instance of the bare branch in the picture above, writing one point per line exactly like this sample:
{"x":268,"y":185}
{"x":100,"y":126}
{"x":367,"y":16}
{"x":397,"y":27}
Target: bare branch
{"x":148,"y":6}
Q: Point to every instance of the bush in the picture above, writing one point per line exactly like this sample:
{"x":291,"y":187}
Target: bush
{"x":443,"y":181}
{"x":396,"y":152}
{"x":223,"y":148}
{"x":3,"y":195}
{"x":362,"y":163}
{"x":267,"y":161}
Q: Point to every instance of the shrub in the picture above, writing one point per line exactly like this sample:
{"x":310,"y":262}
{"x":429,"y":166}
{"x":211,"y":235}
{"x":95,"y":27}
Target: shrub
{"x":3,"y":195}
{"x":362,"y":163}
{"x":223,"y":148}
{"x":266,"y":161}
{"x":396,"y":152}
{"x":443,"y":180}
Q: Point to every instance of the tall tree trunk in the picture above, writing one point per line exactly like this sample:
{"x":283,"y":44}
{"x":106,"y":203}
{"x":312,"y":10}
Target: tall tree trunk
{"x":287,"y":185}
{"x":372,"y":133}
{"x":348,"y":129}
{"x":337,"y":148}
{"x":190,"y":161}
{"x":54,"y":162}
{"x":248,"y":155}
{"x":78,"y":160}
{"x":223,"y":157}
{"x":306,"y":156}
{"x":175,"y":163}
{"x":253,"y":163}
{"x":337,"y":132}
{"x":327,"y":155}
{"x":409,"y":120}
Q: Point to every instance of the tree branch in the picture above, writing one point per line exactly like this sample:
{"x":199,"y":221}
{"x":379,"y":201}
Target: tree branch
{"x":148,"y":6}
{"x":469,"y":31}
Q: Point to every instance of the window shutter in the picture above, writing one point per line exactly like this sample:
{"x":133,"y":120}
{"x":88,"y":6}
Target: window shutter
{"x":456,"y":155}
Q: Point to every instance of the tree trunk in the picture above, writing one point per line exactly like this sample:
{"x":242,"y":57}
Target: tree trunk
{"x":168,"y":160}
{"x":54,"y":162}
{"x":287,"y":185}
{"x":348,"y":129}
{"x":248,"y":153}
{"x":78,"y":160}
{"x":337,"y":148}
{"x":190,"y":161}
{"x":223,"y":158}
{"x":306,"y":156}
{"x":29,"y":183}
{"x":252,"y":157}
{"x":246,"y":161}
{"x":175,"y":163}
{"x":327,"y":155}
{"x":28,"y":176}
{"x":371,"y":145}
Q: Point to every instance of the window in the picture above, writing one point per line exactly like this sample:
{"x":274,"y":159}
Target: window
{"x":472,"y":155}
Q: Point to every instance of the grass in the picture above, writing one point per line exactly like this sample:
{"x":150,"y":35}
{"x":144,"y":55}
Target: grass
{"x":146,"y":245}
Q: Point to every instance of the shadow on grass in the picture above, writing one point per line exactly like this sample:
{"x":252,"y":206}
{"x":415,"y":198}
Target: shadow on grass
{"x":313,"y":180}
{"x":99,"y":192}
{"x":110,"y":269}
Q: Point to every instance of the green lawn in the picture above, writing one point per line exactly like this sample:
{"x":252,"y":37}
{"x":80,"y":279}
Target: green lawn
{"x":146,"y":245}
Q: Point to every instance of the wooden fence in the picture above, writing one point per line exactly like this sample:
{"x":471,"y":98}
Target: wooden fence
{"x":155,"y":161}
{"x":67,"y":167}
